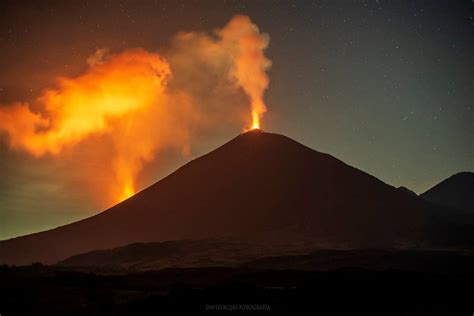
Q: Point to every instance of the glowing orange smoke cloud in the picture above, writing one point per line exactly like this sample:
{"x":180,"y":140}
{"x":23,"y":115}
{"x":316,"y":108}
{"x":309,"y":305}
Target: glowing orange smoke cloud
{"x":135,"y":101}
{"x":95,"y":102}
{"x":82,"y":106}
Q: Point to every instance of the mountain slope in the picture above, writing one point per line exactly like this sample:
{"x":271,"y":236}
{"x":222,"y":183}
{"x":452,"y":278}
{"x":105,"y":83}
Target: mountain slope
{"x":258,"y":186}
{"x":457,"y":191}
{"x":407,"y":191}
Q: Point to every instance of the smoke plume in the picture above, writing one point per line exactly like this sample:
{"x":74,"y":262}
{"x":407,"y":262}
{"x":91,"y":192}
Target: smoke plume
{"x":145,"y":103}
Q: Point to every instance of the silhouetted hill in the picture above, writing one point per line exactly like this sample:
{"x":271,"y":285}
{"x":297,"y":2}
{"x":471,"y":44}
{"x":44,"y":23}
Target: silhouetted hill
{"x":259,"y":186}
{"x":457,"y":191}
{"x":182,"y":253}
{"x":233,"y":253}
{"x":423,"y":260}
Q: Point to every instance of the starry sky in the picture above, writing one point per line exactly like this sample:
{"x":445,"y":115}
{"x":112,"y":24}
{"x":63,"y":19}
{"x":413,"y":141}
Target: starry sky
{"x":385,"y":86}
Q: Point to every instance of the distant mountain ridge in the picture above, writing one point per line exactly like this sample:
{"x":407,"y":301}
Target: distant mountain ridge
{"x":259,"y":186}
{"x":235,"y":254}
{"x":181,"y":253}
{"x":457,"y":191}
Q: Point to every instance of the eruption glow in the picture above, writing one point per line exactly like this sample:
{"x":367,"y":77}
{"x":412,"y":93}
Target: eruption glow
{"x":255,"y":120}
{"x":143,"y":102}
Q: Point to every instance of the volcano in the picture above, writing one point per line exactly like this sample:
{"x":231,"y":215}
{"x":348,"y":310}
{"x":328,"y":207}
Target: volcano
{"x":258,"y":186}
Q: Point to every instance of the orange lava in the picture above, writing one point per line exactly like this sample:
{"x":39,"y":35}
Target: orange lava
{"x":255,"y":120}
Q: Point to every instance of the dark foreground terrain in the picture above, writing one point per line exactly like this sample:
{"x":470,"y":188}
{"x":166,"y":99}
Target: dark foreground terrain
{"x":431,"y":283}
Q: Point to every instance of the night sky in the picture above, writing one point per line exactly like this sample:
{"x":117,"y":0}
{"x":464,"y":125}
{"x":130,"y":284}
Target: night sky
{"x":385,"y":86}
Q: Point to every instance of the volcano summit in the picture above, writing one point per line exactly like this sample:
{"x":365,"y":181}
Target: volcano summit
{"x":259,"y":186}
